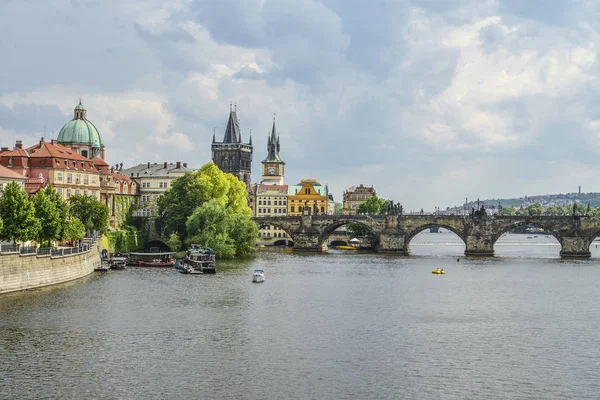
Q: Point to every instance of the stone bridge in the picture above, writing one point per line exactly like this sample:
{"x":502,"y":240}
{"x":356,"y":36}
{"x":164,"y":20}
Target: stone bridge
{"x":393,"y":233}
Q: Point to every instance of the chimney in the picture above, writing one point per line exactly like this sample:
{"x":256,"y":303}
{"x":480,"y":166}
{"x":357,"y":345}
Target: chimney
{"x":19,"y":144}
{"x":53,"y":141}
{"x":165,"y":165}
{"x":184,"y":165}
{"x":41,"y":140}
{"x":148,"y":165}
{"x":4,"y":149}
{"x":178,"y":164}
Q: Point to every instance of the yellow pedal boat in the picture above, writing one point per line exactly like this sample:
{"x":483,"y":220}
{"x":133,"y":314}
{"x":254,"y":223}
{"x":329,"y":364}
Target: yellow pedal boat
{"x":345,"y":247}
{"x":438,"y":271}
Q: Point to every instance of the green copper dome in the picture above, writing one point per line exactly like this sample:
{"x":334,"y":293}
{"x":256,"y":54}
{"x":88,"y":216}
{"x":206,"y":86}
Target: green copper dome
{"x":79,"y":130}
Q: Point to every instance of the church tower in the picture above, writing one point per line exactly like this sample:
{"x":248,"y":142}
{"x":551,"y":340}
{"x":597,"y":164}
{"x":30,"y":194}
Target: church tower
{"x":232,"y":155}
{"x":273,"y":167}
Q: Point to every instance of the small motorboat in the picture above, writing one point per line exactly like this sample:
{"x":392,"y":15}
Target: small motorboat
{"x":438,"y":271}
{"x":118,"y":262}
{"x":258,"y":276}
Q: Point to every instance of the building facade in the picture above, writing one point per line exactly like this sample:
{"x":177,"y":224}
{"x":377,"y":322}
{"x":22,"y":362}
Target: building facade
{"x":51,"y":163}
{"x":355,"y":196}
{"x":232,"y":155}
{"x":308,"y":197}
{"x":271,"y":200}
{"x":152,"y":180}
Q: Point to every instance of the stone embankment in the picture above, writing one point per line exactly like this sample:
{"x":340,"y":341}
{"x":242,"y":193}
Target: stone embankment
{"x":28,"y":268}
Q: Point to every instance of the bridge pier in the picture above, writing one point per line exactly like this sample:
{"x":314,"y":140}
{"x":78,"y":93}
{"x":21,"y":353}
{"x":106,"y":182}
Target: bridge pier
{"x":394,"y":243}
{"x":574,"y":247}
{"x":308,"y":242}
{"x":480,"y":246}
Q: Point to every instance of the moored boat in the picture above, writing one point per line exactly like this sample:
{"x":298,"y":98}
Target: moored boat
{"x":258,"y":276}
{"x":151,"y":259}
{"x":200,"y":260}
{"x":156,"y":262}
{"x":438,"y":271}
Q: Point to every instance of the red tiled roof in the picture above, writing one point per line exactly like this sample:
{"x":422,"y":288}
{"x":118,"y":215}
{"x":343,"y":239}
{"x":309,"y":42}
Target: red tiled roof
{"x":47,"y":149}
{"x":121,"y":177}
{"x":15,"y":153}
{"x":99,"y":162}
{"x":10,"y":174}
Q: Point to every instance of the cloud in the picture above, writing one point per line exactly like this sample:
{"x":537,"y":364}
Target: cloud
{"x":430,"y":101}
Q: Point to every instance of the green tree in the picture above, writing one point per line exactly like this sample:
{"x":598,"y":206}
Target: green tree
{"x":18,"y":215}
{"x":371,"y":206}
{"x":357,"y":229}
{"x":197,"y":188}
{"x":75,"y":229}
{"x":507,"y":210}
{"x":52,"y":212}
{"x":228,"y":234}
{"x":92,"y":213}
{"x":338,"y":208}
{"x":534,"y":209}
{"x":174,"y":242}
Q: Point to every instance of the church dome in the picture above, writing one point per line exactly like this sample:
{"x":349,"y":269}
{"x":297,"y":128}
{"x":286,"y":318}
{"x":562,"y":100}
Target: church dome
{"x":80,"y":130}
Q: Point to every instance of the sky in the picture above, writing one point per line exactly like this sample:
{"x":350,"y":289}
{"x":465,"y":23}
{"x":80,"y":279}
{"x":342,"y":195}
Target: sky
{"x":428,"y":101}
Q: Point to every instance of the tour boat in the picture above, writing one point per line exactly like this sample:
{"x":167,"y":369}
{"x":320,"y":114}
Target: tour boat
{"x":200,"y":260}
{"x":258,"y":276}
{"x":345,"y":247}
{"x":152,"y":259}
{"x":438,"y":271}
{"x":117,"y":261}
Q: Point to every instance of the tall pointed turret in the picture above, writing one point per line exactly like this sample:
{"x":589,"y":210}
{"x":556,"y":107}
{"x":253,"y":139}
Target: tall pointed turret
{"x":273,"y":165}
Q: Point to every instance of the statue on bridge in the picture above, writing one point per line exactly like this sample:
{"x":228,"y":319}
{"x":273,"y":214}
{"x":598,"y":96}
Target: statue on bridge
{"x":395,"y":209}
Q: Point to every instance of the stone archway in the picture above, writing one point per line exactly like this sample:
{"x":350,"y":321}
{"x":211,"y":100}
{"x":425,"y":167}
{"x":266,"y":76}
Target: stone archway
{"x":331,"y":228}
{"x":421,"y":228}
{"x":499,"y":232}
{"x":290,"y":240}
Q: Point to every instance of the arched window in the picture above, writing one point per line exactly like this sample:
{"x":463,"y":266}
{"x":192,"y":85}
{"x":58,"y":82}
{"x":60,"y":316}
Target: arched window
{"x":322,"y":209}
{"x":300,"y":209}
{"x":293,"y":209}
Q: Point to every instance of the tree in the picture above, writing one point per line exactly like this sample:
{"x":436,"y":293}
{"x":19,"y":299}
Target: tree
{"x":18,"y":215}
{"x":338,"y":208}
{"x":371,"y":206}
{"x":197,"y":188}
{"x":534,"y":209}
{"x":92,"y":213}
{"x":357,"y":229}
{"x":228,"y":234}
{"x":74,"y":229}
{"x":52,"y":212}
{"x":174,"y":242}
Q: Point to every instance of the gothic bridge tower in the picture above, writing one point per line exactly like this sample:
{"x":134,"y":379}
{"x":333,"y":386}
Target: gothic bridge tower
{"x":232,"y":155}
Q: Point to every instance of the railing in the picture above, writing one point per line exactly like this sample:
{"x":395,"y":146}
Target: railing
{"x":9,"y":248}
{"x":86,"y":245}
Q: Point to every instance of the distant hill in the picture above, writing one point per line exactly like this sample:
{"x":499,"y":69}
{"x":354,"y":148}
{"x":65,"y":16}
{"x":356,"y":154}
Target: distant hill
{"x":545,"y":200}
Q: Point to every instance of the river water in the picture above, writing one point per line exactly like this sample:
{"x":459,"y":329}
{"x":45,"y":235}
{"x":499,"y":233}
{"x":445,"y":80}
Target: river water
{"x":344,"y":325}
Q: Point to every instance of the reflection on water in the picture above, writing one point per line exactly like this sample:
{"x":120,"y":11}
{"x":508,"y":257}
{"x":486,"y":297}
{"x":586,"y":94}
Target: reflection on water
{"x":340,"y":325}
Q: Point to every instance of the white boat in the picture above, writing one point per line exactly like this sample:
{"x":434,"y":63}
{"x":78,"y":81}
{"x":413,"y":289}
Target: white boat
{"x":258,"y":276}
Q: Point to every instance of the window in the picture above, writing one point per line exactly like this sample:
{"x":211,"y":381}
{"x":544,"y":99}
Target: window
{"x":59,"y":177}
{"x":69,"y":193}
{"x":85,"y":179}
{"x":94,"y":178}
{"x":93,"y":193}
{"x":84,"y":153}
{"x":307,"y":191}
{"x":293,"y":209}
{"x":10,"y":161}
{"x":77,"y":179}
{"x":77,"y":192}
{"x":69,"y":178}
{"x":59,"y":191}
{"x":85,"y":192}
{"x":269,"y":202}
{"x":322,"y":209}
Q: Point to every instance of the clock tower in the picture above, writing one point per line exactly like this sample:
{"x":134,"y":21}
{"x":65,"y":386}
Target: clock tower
{"x":273,"y":166}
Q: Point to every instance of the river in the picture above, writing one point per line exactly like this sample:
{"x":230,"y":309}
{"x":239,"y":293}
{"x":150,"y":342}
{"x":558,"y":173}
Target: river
{"x":343,"y":325}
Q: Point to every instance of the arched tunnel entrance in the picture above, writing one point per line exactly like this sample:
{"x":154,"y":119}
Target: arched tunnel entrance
{"x":157,"y":246}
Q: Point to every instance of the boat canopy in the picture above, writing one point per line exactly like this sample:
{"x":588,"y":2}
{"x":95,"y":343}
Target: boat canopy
{"x":259,"y":271}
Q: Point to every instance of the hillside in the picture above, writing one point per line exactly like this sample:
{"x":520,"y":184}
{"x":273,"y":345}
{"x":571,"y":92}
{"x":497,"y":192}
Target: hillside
{"x":545,"y":200}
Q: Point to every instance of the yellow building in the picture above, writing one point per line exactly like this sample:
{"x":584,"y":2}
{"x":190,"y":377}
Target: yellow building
{"x":308,"y":197}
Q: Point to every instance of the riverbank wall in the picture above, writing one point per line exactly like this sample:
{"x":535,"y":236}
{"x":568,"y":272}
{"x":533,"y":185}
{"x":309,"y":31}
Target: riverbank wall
{"x":22,"y":271}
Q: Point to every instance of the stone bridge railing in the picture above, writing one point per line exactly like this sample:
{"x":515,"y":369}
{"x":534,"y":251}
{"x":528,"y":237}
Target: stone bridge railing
{"x":393,"y":233}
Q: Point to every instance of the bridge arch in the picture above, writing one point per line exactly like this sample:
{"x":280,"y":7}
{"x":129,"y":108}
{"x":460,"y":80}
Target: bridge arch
{"x":526,"y":222}
{"x":331,"y":228}
{"x":283,"y":227}
{"x":415,"y":231}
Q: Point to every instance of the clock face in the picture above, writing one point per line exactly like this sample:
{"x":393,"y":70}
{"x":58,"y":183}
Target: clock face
{"x":271,"y":170}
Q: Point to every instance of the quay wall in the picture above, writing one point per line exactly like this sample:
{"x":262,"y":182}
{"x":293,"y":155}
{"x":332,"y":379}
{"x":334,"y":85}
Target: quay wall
{"x":28,"y":271}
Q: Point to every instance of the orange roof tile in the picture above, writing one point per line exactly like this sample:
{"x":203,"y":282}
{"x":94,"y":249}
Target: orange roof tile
{"x":10,"y":174}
